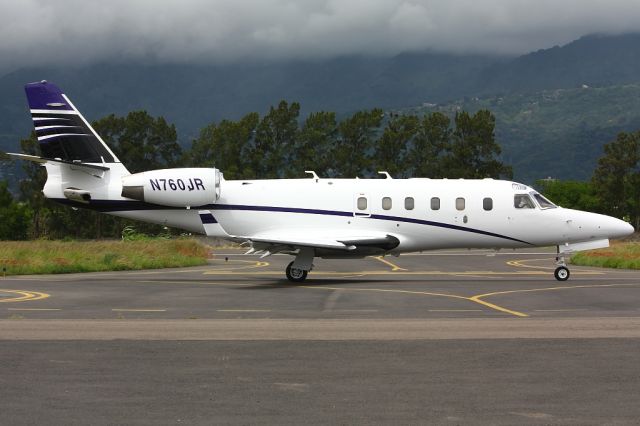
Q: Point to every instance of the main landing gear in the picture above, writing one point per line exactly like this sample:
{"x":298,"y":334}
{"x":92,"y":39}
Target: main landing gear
{"x":562,"y":272}
{"x":298,"y":269}
{"x":295,"y":275}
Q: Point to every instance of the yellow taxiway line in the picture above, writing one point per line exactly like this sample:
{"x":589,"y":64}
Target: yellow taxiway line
{"x":394,"y":267}
{"x":475,"y":299}
{"x":478,"y":298}
{"x":34,"y":309}
{"x":519,"y":263}
{"x":232,"y":266}
{"x":24,"y":296}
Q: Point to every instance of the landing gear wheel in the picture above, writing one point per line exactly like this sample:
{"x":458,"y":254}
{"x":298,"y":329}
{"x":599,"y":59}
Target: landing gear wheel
{"x":295,"y":275}
{"x":561,"y":273}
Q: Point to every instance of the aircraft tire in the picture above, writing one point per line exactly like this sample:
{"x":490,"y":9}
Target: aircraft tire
{"x":561,"y":273}
{"x":295,"y":275}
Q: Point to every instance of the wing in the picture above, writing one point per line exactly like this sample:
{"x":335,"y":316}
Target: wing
{"x":348,"y":244}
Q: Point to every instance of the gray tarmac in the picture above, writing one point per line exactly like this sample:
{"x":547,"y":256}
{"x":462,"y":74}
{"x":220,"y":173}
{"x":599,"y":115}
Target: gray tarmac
{"x":449,"y":337}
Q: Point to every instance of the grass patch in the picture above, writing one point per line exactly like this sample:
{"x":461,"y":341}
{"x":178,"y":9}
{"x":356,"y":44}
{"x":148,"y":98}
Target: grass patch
{"x":59,"y":257}
{"x":624,"y":255}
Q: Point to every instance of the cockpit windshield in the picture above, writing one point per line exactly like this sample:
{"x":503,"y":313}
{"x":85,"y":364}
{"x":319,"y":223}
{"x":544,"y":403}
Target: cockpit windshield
{"x":544,"y":203}
{"x":523,"y":201}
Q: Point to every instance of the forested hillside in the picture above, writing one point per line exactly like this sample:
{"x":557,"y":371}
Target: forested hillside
{"x":555,"y":133}
{"x":594,"y":60}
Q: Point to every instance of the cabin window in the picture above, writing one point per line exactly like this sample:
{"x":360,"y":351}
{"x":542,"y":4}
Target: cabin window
{"x":459,"y":203}
{"x":362,"y":203}
{"x":435,"y":203}
{"x":487,"y":204}
{"x":386,"y":203}
{"x":409,"y":203}
{"x":522,"y":201}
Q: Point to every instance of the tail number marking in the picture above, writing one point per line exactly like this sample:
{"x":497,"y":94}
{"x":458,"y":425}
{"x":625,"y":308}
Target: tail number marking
{"x":175,"y":184}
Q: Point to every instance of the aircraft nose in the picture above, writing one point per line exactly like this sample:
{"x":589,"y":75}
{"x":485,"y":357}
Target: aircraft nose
{"x":617,"y":228}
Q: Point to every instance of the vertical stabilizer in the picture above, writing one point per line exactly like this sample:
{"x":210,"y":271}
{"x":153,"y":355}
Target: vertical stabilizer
{"x":63,"y":133}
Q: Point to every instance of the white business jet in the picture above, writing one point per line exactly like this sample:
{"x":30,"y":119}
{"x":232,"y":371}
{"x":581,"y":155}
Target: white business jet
{"x":306,"y":218}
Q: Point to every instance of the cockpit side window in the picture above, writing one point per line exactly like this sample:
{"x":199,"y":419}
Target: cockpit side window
{"x":544,"y":203}
{"x":523,"y":201}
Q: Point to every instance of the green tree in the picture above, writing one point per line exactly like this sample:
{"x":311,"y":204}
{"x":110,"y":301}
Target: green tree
{"x":395,"y":145}
{"x":430,"y":144}
{"x":314,"y":144}
{"x":202,"y":152}
{"x":223,"y":146}
{"x":617,"y":178}
{"x":473,"y":151}
{"x":570,"y":194}
{"x":140,"y":141}
{"x":15,"y":216}
{"x":50,"y":219}
{"x":31,"y":188}
{"x":353,"y":150}
{"x":270,"y":154}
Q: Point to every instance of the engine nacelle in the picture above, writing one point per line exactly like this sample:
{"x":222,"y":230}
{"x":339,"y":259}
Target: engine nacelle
{"x":174,"y":187}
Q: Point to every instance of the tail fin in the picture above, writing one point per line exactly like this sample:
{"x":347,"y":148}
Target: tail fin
{"x":63,"y":133}
{"x":80,"y":167}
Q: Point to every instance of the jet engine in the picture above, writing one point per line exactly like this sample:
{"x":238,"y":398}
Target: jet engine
{"x":186,"y":187}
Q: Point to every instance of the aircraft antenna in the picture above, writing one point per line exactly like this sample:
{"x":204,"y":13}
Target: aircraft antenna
{"x":312,"y":173}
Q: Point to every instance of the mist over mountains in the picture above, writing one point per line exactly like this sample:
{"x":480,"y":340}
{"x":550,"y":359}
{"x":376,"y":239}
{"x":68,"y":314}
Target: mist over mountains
{"x":192,"y":96}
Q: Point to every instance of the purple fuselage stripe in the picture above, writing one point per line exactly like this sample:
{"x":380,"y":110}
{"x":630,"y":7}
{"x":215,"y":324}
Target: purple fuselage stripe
{"x":123,"y":205}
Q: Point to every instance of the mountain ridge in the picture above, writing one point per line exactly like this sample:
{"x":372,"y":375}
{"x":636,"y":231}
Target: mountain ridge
{"x":192,"y":96}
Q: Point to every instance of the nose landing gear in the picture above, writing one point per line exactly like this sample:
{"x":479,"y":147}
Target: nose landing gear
{"x":562,"y":272}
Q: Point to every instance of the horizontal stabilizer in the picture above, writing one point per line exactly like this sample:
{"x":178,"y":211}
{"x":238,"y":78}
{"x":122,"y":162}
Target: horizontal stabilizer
{"x":42,"y":160}
{"x":91,"y":169}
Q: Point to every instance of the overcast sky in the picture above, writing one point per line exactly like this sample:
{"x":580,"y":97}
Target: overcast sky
{"x":36,"y":32}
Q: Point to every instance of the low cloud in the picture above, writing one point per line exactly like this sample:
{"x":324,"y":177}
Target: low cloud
{"x":39,"y":32}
